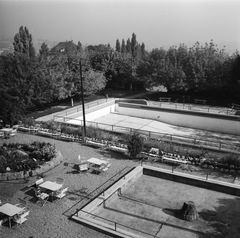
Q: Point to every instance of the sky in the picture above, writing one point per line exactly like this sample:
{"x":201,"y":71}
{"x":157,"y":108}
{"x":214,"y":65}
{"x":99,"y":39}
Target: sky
{"x":157,"y":23}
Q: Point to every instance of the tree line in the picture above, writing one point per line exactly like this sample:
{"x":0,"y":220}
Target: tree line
{"x":31,"y":79}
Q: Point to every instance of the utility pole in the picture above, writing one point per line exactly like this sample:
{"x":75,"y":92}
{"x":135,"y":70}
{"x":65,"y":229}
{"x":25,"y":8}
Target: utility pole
{"x":83,"y":107}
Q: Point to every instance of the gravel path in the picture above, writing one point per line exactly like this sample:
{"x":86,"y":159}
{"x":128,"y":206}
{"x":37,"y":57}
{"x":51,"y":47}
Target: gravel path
{"x":48,"y":221}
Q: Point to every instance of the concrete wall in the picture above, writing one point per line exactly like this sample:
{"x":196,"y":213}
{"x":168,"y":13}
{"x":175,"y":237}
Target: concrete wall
{"x":199,"y":120}
{"x":193,"y":180}
{"x":98,"y":111}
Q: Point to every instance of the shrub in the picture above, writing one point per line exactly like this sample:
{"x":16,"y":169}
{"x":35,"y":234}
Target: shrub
{"x":135,"y":145}
{"x":230,"y":159}
{"x":28,"y":121}
{"x":76,"y":131}
{"x":51,"y":125}
{"x":148,"y":144}
{"x":48,"y":152}
{"x":24,"y":157}
{"x":195,"y":153}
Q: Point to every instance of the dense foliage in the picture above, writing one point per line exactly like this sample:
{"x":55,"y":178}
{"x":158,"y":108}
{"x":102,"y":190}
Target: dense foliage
{"x":135,"y":145}
{"x":23,"y":157}
{"x":29,"y":79}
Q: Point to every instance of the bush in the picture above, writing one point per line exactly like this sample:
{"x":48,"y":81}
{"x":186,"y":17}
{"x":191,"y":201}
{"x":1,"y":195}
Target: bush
{"x":28,"y":121}
{"x":230,"y":159}
{"x":70,"y":130}
{"x":195,"y":153}
{"x":51,"y":125}
{"x":135,"y":145}
{"x":24,"y":157}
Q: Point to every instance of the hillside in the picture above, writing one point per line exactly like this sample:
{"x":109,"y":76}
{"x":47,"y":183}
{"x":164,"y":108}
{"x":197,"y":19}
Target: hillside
{"x":6,"y":45}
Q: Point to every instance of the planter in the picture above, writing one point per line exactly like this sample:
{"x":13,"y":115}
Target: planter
{"x":118,"y":149}
{"x":24,"y":129}
{"x":95,"y":144}
{"x":44,"y":133}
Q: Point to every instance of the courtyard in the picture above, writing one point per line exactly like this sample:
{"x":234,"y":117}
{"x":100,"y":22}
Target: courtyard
{"x":150,"y":204}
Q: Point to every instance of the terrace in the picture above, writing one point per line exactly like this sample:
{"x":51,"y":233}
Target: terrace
{"x":84,"y":187}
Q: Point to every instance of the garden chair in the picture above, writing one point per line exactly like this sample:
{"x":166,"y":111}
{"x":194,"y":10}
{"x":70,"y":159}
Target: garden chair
{"x":42,"y":197}
{"x":83,"y":166}
{"x":106,"y":167}
{"x":61,"y":193}
{"x":20,"y":218}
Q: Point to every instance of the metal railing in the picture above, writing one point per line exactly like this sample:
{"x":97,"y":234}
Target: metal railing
{"x":170,"y":138}
{"x":96,"y":192}
{"x":87,"y":106}
{"x":193,"y":107}
{"x":117,"y":226}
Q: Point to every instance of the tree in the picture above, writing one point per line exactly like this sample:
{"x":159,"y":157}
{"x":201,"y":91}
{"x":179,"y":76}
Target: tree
{"x":129,"y":46}
{"x":118,"y":47}
{"x":93,"y":82}
{"x":134,"y":45}
{"x":235,"y":71}
{"x":43,"y":51}
{"x":143,"y":49}
{"x":123,"y":47}
{"x":135,"y":145}
{"x":23,"y":43}
{"x":79,"y":46}
{"x":17,"y":73}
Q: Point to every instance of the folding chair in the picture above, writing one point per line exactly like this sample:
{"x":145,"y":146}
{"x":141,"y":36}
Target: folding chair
{"x":61,"y":193}
{"x":83,"y":167}
{"x":42,"y":197}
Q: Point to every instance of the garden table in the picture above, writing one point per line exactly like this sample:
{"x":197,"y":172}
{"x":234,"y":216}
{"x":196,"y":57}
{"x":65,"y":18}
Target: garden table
{"x":51,"y":186}
{"x":10,"y":210}
{"x":6,"y":131}
{"x":95,"y":164}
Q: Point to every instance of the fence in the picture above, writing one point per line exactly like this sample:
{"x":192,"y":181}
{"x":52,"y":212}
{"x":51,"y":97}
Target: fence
{"x":87,"y":106}
{"x":194,"y":108}
{"x":172,"y":139}
{"x":117,"y":226}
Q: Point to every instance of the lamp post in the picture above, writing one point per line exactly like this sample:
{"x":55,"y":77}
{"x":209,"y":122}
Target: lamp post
{"x":83,"y":107}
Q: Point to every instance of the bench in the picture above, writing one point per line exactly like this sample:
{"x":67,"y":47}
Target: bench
{"x":165,"y":158}
{"x":200,"y":101}
{"x":38,"y":182}
{"x":163,"y":99}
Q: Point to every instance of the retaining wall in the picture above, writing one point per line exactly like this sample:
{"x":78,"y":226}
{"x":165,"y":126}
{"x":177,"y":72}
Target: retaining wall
{"x":94,"y":112}
{"x":192,"y":180}
{"x":200,"y":120}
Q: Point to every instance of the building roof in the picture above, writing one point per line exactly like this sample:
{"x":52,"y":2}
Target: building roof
{"x":64,"y":47}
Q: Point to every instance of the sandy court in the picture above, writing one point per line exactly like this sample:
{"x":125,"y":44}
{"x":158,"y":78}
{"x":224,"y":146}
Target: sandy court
{"x":151,"y":205}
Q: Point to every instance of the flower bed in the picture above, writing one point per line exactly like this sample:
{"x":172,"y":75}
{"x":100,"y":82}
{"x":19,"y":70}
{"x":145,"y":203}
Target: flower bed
{"x":120,"y":142}
{"x":18,"y":161}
